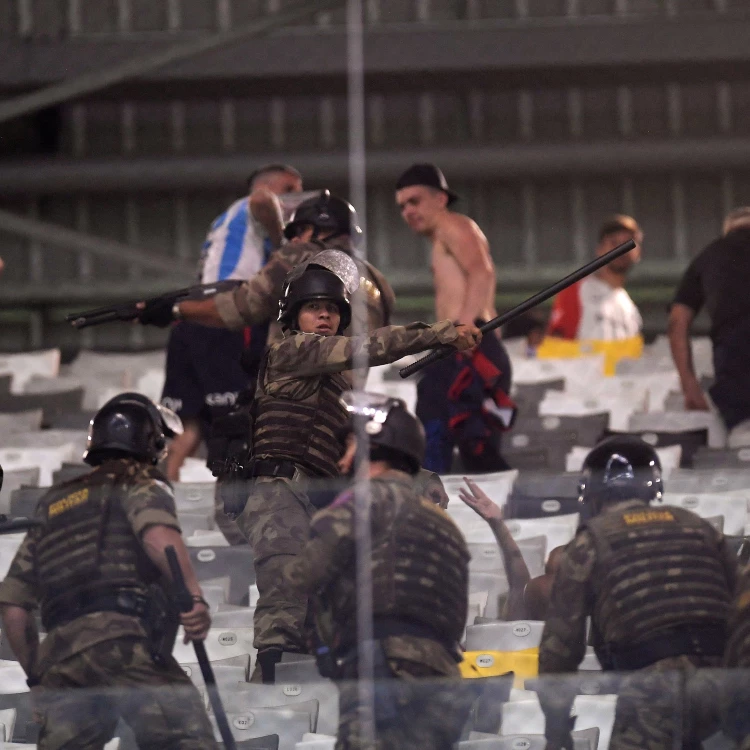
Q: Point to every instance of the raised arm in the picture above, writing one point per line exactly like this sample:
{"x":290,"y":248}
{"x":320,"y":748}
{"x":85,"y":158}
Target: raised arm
{"x":307,"y":354}
{"x":515,"y":567}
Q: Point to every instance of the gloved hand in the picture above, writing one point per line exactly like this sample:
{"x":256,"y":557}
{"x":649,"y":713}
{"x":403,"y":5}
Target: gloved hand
{"x":156,"y":313}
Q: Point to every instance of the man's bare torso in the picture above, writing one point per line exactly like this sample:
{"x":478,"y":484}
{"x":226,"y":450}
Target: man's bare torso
{"x":450,"y":279}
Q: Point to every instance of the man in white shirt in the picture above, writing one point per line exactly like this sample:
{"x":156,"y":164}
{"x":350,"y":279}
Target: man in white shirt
{"x":598,"y":308}
{"x":204,"y":370}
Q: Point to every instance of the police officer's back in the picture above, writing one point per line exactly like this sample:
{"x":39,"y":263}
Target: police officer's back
{"x":419,"y":589}
{"x":95,"y":568}
{"x":656,"y":581}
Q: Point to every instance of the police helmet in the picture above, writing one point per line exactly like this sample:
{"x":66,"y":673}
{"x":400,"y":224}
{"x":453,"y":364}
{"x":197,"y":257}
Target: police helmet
{"x":394,"y":434}
{"x":620,"y":468}
{"x":326,"y":213}
{"x":130,"y":425}
{"x":330,"y":275}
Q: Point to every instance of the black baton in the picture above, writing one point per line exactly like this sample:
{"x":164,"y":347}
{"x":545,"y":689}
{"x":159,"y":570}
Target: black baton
{"x":185,"y":603}
{"x":533,"y":301}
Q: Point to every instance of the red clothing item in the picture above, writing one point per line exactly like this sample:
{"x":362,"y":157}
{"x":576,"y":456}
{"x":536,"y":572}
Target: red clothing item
{"x":566,"y":313}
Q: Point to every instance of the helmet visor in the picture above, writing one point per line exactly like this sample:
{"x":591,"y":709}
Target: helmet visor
{"x":171,"y":422}
{"x":341,"y":264}
{"x":374,"y":407}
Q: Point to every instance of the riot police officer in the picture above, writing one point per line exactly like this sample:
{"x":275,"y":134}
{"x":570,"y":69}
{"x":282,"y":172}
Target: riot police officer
{"x":657,"y":582}
{"x":298,"y":427}
{"x":325,"y":221}
{"x":736,"y":684}
{"x":95,"y":567}
{"x":419,"y":591}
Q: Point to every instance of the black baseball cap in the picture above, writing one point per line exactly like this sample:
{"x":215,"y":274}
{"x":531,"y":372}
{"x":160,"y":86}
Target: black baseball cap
{"x":429,"y":176}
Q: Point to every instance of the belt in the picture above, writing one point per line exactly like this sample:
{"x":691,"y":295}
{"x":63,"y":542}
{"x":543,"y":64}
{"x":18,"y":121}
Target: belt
{"x":124,"y":601}
{"x":708,"y":641}
{"x":281,"y":469}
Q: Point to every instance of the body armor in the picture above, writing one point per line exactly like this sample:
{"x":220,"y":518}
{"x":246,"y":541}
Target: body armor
{"x":305,"y":431}
{"x":86,"y":548}
{"x":658,"y":569}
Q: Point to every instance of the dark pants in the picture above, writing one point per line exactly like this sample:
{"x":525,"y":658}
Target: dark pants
{"x":433,"y":411}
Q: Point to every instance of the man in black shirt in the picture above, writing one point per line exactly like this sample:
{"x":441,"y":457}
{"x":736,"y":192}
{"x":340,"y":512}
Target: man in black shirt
{"x":718,"y":279}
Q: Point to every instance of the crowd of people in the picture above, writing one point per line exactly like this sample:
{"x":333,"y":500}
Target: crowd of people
{"x":288,"y":347}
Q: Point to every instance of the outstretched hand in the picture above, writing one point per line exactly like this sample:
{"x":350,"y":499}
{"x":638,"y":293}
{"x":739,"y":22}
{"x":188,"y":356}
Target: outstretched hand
{"x":479,"y":501}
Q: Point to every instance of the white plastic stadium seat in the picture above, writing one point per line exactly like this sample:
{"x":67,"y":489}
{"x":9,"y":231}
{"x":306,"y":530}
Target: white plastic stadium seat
{"x":592,"y":712}
{"x":195,"y":470}
{"x":47,"y":460}
{"x":676,"y":421}
{"x":24,"y":366}
{"x":312,"y":741}
{"x":732,"y":508}
{"x":497,"y":486}
{"x":504,"y":636}
{"x":586,"y":739}
{"x":487,"y":558}
{"x":324,"y":692}
{"x":9,"y":544}
{"x":12,"y":481}
{"x":573,"y":370}
{"x":620,"y":408}
{"x":288,"y":724}
{"x":21,"y":421}
{"x":7,"y":724}
{"x":194,"y":496}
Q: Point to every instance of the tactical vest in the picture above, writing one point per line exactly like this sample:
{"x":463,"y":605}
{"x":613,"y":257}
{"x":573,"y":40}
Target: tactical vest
{"x":420,"y":569}
{"x":658,"y":568}
{"x":306,"y":431}
{"x":86,"y":546}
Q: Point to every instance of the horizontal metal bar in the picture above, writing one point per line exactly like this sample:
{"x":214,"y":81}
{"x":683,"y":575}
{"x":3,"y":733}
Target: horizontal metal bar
{"x":58,"y":236}
{"x":548,"y":44}
{"x":100,"y":75}
{"x":509,"y":161}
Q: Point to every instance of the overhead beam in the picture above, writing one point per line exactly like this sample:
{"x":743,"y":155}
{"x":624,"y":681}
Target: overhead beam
{"x":469,"y":162}
{"x":100,"y":77}
{"x":58,"y":236}
{"x":398,"y":49}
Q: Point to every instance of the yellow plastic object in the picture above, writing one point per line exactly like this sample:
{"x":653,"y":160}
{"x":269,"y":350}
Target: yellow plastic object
{"x":523,"y":664}
{"x":613,"y":351}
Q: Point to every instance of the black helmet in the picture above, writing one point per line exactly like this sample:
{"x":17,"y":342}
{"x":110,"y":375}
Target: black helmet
{"x":132,"y":425}
{"x":325,"y":213}
{"x":620,"y":468}
{"x":331,"y":275}
{"x":395,"y":435}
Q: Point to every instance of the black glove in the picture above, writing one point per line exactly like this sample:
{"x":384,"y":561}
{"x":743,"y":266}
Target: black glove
{"x":157,"y":313}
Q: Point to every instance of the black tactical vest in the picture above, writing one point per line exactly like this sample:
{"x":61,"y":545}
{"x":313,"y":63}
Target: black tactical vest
{"x":87,"y":547}
{"x":657,"y":568}
{"x":420,"y":568}
{"x":306,"y":431}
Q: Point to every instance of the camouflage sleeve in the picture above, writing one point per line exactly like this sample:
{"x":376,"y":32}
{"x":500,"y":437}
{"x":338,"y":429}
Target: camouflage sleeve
{"x":307,"y":354}
{"x":20,"y":585}
{"x":738,"y":645}
{"x":148,"y":500}
{"x":329,"y":549}
{"x":257,"y":300}
{"x":564,"y":638}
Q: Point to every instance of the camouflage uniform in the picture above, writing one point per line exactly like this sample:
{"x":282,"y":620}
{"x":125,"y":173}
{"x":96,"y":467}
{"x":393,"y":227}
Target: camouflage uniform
{"x":429,"y":484}
{"x":736,"y":686}
{"x":420,"y":575}
{"x":96,"y":667}
{"x":639,"y":572}
{"x":257,"y":300}
{"x":300,"y":421}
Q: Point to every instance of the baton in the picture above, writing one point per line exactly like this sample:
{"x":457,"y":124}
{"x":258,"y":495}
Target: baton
{"x":185,"y":603}
{"x":16,"y":525}
{"x":445,"y":351}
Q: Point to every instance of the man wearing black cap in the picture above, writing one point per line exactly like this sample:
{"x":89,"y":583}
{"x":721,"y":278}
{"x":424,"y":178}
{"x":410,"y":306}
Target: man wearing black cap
{"x":464,"y":278}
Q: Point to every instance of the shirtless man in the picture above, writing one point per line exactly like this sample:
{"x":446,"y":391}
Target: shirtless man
{"x":464,"y":279}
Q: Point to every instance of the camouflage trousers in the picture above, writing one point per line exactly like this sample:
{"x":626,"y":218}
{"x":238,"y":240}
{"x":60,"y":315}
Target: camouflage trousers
{"x":418,"y":708}
{"x":228,"y":526}
{"x":83,"y":697}
{"x":671,"y":704}
{"x":276,"y":522}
